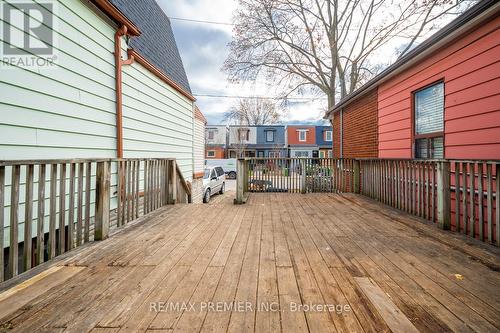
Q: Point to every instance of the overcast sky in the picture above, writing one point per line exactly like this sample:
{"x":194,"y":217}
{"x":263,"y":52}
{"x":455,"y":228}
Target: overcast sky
{"x":203,"y":49}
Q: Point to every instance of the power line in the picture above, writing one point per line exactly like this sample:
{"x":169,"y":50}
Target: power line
{"x":258,"y":97}
{"x":200,"y":21}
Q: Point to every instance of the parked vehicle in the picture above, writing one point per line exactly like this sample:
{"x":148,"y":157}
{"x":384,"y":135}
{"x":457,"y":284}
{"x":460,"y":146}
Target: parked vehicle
{"x":227,"y":164}
{"x":214,"y":181}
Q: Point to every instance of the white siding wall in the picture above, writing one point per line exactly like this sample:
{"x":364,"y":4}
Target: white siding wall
{"x":233,"y":135}
{"x":157,"y":120}
{"x":220,"y":133}
{"x":199,"y":146}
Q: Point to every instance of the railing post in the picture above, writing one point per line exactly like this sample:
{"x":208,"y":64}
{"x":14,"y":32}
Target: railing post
{"x":103,"y":184}
{"x":303,"y":187}
{"x":240,"y":181}
{"x":443,"y":195}
{"x":172,"y":175}
{"x":356,"y":176}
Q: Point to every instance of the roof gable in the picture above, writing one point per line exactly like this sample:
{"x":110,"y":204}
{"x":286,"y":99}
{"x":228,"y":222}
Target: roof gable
{"x":157,"y":42}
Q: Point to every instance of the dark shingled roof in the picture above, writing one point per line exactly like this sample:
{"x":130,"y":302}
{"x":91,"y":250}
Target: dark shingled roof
{"x":156,"y":43}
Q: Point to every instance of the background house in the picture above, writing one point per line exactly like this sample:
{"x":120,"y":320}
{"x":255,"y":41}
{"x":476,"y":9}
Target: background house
{"x":271,"y":141}
{"x":324,"y":136}
{"x":301,"y":141}
{"x":439,"y":101}
{"x":242,"y":141}
{"x":216,"y":141}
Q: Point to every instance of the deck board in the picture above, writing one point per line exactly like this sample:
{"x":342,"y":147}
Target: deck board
{"x":266,"y":262}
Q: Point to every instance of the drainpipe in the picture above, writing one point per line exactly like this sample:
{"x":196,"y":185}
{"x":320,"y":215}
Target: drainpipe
{"x":119,"y":63}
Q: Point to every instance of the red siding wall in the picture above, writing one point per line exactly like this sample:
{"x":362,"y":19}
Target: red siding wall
{"x":219,"y":152}
{"x":470,"y":68}
{"x":293,"y":135}
{"x":359,"y":129}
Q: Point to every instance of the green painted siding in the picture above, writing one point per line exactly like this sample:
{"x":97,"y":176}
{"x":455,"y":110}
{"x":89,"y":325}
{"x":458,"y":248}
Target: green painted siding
{"x":157,"y":120}
{"x":65,"y":111}
{"x":69,"y":111}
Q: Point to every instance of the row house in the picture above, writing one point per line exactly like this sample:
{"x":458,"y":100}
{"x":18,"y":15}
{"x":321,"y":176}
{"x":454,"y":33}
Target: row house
{"x":242,"y":141}
{"x":309,"y":141}
{"x":269,"y":141}
{"x":216,"y":141}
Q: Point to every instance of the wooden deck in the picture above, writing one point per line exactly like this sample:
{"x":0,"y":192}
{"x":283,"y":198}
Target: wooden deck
{"x":282,"y":262}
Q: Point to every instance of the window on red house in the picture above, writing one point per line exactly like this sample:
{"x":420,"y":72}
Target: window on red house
{"x":429,"y":121}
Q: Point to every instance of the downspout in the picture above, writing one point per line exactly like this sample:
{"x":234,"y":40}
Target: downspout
{"x":119,"y":63}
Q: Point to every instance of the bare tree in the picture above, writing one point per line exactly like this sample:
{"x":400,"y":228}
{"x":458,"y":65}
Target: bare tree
{"x":325,"y":46}
{"x":254,"y":111}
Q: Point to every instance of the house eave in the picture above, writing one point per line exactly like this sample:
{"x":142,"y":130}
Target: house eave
{"x":480,"y":13}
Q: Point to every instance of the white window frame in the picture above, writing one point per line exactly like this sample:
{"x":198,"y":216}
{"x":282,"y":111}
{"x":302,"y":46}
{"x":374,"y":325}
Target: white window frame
{"x":300,"y":134}
{"x":274,"y":154}
{"x":267,"y":136}
{"x":211,"y":133}
{"x":210,"y":153}
{"x":328,"y":135}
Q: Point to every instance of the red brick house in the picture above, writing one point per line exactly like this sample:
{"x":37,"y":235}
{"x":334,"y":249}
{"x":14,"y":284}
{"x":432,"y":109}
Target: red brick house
{"x":441,"y":100}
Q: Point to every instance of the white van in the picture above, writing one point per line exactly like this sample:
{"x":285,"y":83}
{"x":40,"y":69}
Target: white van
{"x":227,"y":164}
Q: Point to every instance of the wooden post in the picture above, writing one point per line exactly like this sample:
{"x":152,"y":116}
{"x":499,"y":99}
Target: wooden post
{"x":303,"y":187}
{"x":356,"y":177}
{"x":240,"y":181}
{"x":103,"y":184}
{"x":443,"y":195}
{"x":173,"y":182}
{"x":28,"y":217}
{"x":12,"y":268}
{"x":2,"y":219}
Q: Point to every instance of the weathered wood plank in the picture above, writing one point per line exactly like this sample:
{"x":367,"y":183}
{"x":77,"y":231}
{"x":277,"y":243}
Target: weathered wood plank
{"x":79,"y":206}
{"x":71,"y":208}
{"x":53,"y":211}
{"x":397,"y":321}
{"x":40,"y":244}
{"x":2,"y":218}
{"x":28,"y":217}
{"x":12,"y":267}
{"x":88,"y":189}
{"x":62,"y":209}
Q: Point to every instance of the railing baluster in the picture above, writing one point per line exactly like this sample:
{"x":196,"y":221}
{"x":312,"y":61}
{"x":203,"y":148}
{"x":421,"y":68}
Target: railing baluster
{"x":14,"y":220}
{"x":71,"y":206}
{"x":79,"y":206}
{"x":2,"y":220}
{"x":472,"y":220}
{"x":480,"y":200}
{"x":137,"y":189}
{"x":88,"y":190}
{"x":489,"y":198}
{"x":28,"y":217}
{"x":457,"y":196}
{"x":62,"y":209}
{"x":465,"y":214}
{"x":40,"y":215}
{"x":53,"y":211}
{"x":497,"y":203}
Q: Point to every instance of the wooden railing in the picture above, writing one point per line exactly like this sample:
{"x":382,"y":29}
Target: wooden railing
{"x":49,"y":207}
{"x":462,"y":196}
